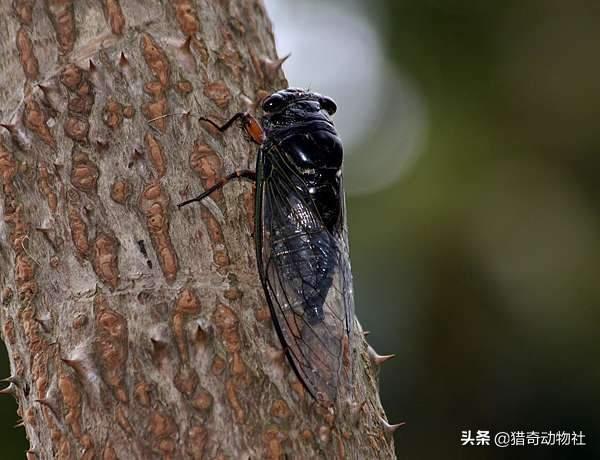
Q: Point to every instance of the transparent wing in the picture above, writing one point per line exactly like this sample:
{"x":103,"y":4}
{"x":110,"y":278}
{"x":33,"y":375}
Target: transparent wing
{"x":305,"y":270}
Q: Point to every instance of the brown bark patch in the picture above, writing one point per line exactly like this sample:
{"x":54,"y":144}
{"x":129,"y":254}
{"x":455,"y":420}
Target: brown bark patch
{"x":115,"y":16}
{"x":154,"y":203}
{"x":156,"y":154}
{"x":84,"y":173}
{"x":112,"y":114}
{"x":62,"y":16}
{"x":184,"y":87}
{"x":24,"y":10}
{"x":219,"y":93}
{"x":186,"y":16}
{"x":220,"y":256}
{"x":45,"y":184}
{"x":156,"y":59}
{"x":106,"y":265}
{"x":79,"y":231}
{"x":72,"y":403}
{"x":111,"y":347}
{"x":208,"y":166}
{"x":77,"y":128}
{"x":155,"y":112}
{"x":120,"y":191}
{"x":28,"y":60}
{"x":35,"y":119}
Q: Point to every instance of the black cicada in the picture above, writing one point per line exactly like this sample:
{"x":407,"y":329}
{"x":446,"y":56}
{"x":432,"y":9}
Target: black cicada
{"x":301,"y":243}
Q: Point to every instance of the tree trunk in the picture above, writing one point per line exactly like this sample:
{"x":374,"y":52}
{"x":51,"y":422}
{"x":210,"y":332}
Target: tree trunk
{"x":135,"y":330}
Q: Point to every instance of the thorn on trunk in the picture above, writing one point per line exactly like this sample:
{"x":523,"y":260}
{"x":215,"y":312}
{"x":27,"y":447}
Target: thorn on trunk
{"x":19,"y":424}
{"x":377,"y":359}
{"x":390,"y":428}
{"x":355,"y":410}
{"x":46,"y":402}
{"x":273,"y":66}
{"x":9,"y":390}
{"x":123,"y":61}
{"x":12,"y":379}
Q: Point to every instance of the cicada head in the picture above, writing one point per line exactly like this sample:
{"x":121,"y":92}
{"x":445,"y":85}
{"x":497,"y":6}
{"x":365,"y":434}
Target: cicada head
{"x":292,"y":105}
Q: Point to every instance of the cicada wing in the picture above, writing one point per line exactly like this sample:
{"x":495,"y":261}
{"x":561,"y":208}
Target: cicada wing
{"x":306,"y":277}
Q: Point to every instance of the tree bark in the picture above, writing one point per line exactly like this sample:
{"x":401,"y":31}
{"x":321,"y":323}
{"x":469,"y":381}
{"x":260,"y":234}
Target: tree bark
{"x":135,"y":330}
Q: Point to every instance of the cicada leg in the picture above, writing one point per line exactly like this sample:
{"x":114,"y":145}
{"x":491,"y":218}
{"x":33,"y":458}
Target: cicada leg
{"x":240,"y":174}
{"x":251,"y":126}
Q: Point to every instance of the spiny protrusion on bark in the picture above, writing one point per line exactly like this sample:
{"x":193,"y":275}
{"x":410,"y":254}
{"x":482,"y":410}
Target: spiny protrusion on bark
{"x":81,"y":359}
{"x":12,"y":379}
{"x":111,"y":346}
{"x":388,"y":428}
{"x":106,"y":255}
{"x":11,"y":390}
{"x":159,"y":338}
{"x":185,"y":57}
{"x":156,"y":154}
{"x":154,"y":203}
{"x":52,"y":97}
{"x":272,"y":67}
{"x":35,"y":119}
{"x":355,"y":411}
{"x":378,"y":359}
{"x":18,"y":134}
{"x":187,"y":304}
{"x":84,"y":173}
{"x":62,"y":16}
{"x":218,"y":92}
{"x":114,"y":16}
{"x":28,"y":60}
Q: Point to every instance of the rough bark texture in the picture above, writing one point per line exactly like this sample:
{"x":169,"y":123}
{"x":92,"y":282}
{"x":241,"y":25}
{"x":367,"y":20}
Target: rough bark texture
{"x":135,"y":330}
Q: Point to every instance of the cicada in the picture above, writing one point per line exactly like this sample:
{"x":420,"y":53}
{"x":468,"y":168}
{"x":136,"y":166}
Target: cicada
{"x":301,"y":241}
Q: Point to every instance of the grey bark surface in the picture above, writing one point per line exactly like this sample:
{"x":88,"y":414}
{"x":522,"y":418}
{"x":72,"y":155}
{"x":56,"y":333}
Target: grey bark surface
{"x":135,"y":330}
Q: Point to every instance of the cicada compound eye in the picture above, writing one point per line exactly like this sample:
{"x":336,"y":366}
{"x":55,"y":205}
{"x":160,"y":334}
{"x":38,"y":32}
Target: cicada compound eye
{"x":273,"y":103}
{"x":328,"y":105}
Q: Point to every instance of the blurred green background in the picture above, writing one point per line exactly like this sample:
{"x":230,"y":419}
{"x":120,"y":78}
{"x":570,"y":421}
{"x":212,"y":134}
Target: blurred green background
{"x":479,"y":264}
